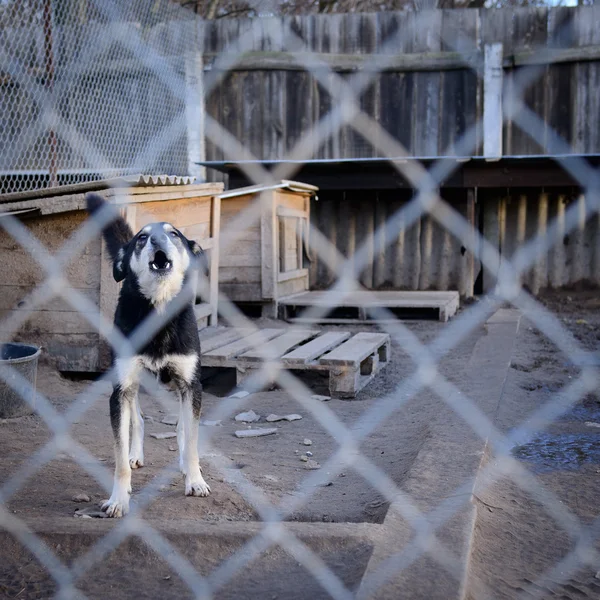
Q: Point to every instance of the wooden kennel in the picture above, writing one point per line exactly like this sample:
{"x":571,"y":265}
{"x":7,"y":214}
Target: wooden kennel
{"x":263,"y":244}
{"x":70,"y":337}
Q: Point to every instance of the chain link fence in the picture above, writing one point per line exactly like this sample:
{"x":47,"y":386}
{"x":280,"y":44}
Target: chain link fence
{"x":96,"y":89}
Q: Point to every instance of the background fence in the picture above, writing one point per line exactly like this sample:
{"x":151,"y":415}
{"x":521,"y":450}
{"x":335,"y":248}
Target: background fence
{"x":103,"y":88}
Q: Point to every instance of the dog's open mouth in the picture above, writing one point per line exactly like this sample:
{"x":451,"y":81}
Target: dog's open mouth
{"x":161,"y":262}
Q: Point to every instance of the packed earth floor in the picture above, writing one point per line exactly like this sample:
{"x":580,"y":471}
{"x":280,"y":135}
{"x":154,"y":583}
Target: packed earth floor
{"x":515,"y":539}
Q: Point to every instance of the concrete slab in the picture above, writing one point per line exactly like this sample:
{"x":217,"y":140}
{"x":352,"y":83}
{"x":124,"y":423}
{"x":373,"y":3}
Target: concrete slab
{"x":441,"y":482}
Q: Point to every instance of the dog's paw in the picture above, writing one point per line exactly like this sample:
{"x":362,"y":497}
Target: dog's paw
{"x":115,"y":508}
{"x":136,"y":462}
{"x":196,"y":487}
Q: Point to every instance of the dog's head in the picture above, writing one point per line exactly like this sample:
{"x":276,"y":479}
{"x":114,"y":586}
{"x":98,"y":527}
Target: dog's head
{"x":160,"y":257}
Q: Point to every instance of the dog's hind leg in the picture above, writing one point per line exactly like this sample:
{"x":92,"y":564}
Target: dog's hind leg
{"x":121,"y":402}
{"x":136,"y":454}
{"x":191,"y":400}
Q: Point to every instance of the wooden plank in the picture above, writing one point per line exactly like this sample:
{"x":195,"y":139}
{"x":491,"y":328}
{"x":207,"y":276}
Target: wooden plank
{"x":223,"y":339}
{"x":242,"y":292}
{"x":390,"y":299}
{"x":178,"y":212}
{"x":39,"y":321}
{"x":296,"y":274}
{"x":16,"y":297}
{"x":229,"y":351}
{"x":268,"y":247}
{"x":492,"y":102}
{"x":355,"y":350}
{"x":240,"y":275}
{"x":350,"y":63}
{"x":196,"y":232}
{"x":162,"y":194}
{"x":284,"y":211}
{"x":315,"y":348}
{"x":215,"y":260}
{"x":204,"y":309}
{"x":280,"y":345}
{"x":235,"y":259}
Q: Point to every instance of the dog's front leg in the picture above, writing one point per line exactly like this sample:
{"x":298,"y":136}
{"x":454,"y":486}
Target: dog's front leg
{"x":120,"y":415}
{"x":191,"y":401}
{"x":136,"y":454}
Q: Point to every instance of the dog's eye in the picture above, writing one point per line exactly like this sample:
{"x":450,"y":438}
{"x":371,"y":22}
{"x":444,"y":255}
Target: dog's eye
{"x":174,"y":234}
{"x":142,"y":237}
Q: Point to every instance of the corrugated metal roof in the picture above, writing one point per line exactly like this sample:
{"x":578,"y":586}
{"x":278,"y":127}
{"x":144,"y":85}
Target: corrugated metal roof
{"x":293,"y":186}
{"x":139,"y":180}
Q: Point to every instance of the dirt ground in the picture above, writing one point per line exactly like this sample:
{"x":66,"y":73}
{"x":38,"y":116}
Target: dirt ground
{"x":272,"y":464}
{"x":517,"y":539}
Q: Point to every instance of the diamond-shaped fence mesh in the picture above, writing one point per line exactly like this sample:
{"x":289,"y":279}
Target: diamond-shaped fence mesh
{"x":449,"y":476}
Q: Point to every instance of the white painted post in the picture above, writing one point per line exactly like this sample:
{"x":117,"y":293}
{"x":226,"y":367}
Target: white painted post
{"x":492,"y":102}
{"x":194,"y":104}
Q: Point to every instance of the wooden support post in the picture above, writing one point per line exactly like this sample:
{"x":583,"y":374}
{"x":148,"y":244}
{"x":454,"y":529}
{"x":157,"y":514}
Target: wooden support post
{"x":194,"y":103}
{"x":491,"y":232}
{"x":214,"y":260}
{"x":492,"y":102}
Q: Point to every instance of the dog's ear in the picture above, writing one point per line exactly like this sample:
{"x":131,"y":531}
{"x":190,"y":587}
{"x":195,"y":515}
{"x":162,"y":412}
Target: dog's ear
{"x":120,"y":264}
{"x":199,"y":255}
{"x":195,"y":248}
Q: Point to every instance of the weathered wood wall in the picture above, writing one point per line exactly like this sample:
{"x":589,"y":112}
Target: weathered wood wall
{"x":426,"y":98}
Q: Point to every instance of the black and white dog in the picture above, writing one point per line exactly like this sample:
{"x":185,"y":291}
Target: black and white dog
{"x":156,"y":266}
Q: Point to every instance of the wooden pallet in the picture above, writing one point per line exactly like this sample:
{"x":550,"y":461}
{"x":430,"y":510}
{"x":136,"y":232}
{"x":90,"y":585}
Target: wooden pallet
{"x":354,"y":307}
{"x":352,"y":360}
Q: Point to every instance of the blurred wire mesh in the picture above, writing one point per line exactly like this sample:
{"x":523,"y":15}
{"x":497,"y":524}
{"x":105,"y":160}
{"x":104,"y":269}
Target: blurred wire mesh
{"x":92,"y":90}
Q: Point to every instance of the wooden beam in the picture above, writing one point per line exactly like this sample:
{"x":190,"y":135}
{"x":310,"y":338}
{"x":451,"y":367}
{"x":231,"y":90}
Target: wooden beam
{"x":492,"y":102}
{"x":349,"y":63}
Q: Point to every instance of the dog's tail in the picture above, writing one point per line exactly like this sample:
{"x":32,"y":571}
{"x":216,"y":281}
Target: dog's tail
{"x":116,"y":232}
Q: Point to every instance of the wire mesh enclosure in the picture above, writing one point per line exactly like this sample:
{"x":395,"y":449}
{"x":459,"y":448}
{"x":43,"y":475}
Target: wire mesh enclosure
{"x":468,"y":466}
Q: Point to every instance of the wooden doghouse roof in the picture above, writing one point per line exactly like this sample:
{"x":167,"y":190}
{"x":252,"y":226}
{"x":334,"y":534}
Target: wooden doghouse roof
{"x":67,"y":198}
{"x":284,"y":184}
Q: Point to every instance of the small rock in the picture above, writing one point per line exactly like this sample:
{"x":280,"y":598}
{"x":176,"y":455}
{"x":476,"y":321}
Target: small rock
{"x":592,"y":424}
{"x":90,"y":512}
{"x":170,"y":420}
{"x":167,"y":578}
{"x":3,"y":421}
{"x":326,"y":484}
{"x":164,"y":436}
{"x":342,"y":474}
{"x":321,"y":398}
{"x":597,"y":575}
{"x":149,"y":419}
{"x":304,"y":458}
{"x":82,"y":516}
{"x":296,"y":451}
{"x":246,"y":433}
{"x":293,"y":417}
{"x":273,"y":418}
{"x":247,"y":417}
{"x":271,"y":478}
{"x":309,"y":453}
{"x":173,"y":448}
{"x":81,"y":498}
{"x":307,"y":442}
{"x":211,"y":423}
{"x":240,"y":394}
{"x":312,"y":464}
